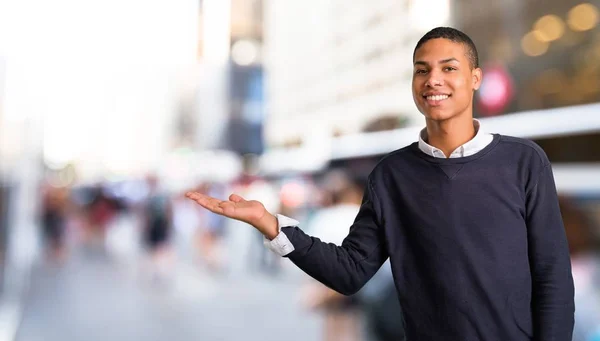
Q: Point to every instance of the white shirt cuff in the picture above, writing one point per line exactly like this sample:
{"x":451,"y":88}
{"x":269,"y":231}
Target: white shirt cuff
{"x":281,"y":245}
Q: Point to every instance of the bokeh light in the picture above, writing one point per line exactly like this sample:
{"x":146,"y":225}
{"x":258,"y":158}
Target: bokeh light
{"x":532,"y":45}
{"x":549,"y":28}
{"x":583,"y":17}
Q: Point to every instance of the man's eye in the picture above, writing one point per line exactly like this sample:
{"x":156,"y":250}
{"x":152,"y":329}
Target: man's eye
{"x":421,"y":71}
{"x":450,"y":68}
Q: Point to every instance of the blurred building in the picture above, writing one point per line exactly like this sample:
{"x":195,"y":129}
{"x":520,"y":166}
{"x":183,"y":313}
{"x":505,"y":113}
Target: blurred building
{"x":245,"y":126}
{"x":5,"y":188}
{"x":229,"y":75}
{"x":20,"y":171}
{"x":227,"y":107}
{"x":335,"y":68}
{"x":245,"y":130}
{"x":219,"y":112}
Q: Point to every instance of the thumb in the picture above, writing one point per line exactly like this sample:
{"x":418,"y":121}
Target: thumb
{"x":236,"y":198}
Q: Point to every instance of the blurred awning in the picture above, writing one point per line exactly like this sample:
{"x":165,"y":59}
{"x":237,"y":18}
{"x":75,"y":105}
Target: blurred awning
{"x":574,"y":120}
{"x":577,"y":179}
{"x":539,"y":124}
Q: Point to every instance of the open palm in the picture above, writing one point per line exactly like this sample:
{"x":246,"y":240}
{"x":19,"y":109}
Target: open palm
{"x":249,"y":211}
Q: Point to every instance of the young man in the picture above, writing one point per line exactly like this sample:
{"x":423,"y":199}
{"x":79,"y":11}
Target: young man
{"x":470,"y":221}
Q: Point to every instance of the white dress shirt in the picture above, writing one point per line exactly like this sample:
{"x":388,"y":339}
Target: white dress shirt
{"x":282,"y":246}
{"x":473,"y":146}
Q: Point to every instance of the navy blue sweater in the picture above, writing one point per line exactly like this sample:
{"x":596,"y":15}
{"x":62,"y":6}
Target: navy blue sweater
{"x":477,"y":245}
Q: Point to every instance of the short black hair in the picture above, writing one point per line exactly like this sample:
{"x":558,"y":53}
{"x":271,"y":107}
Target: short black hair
{"x":455,"y":36}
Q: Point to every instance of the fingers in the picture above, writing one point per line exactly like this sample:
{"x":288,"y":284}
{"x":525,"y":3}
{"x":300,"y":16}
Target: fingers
{"x":236,"y":198}
{"x":193,"y":195}
{"x":207,"y":202}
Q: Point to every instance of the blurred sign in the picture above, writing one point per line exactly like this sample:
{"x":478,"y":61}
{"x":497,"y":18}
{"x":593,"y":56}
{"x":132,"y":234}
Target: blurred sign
{"x":496,"y":90}
{"x":244,"y":132}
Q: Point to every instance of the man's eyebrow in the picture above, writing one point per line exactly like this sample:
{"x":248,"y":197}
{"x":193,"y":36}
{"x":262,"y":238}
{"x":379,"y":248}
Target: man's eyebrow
{"x":443,"y":61}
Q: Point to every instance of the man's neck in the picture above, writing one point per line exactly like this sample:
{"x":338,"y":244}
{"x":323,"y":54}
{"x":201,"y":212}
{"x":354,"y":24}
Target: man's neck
{"x":450,"y":134}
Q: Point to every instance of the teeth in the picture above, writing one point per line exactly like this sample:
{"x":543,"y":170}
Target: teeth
{"x":437,"y":97}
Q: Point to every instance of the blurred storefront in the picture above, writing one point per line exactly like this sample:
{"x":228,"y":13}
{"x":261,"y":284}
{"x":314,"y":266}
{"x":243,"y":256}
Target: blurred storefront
{"x":535,"y":54}
{"x":539,"y":56}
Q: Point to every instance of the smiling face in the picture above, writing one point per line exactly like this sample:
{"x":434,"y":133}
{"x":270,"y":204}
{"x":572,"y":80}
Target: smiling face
{"x":444,"y":80}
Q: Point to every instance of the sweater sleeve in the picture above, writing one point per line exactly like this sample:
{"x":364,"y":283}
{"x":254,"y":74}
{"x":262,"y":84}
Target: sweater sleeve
{"x":345,"y":268}
{"x":552,"y":293}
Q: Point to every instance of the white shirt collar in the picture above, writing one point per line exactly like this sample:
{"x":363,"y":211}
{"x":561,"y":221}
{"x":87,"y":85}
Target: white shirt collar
{"x":473,"y":146}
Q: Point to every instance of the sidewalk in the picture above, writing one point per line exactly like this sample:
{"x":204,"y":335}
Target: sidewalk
{"x":96,"y":298}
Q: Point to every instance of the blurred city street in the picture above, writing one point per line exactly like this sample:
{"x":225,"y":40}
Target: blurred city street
{"x":97,"y":297}
{"x":113,"y":114}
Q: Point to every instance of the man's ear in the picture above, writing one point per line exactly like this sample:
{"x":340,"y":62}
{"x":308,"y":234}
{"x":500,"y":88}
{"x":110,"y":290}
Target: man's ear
{"x":477,"y":75}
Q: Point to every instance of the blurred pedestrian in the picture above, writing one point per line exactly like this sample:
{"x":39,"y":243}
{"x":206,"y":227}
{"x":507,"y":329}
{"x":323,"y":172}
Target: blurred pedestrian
{"x":378,"y":301}
{"x":330,"y":223}
{"x":55,"y":202}
{"x":100,"y":214}
{"x":585,"y":257}
{"x":157,"y":230}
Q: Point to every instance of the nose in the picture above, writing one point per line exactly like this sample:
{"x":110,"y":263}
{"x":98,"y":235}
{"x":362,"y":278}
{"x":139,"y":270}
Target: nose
{"x":435,"y":79}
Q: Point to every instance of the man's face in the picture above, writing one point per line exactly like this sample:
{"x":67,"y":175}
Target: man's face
{"x":443,"y":79}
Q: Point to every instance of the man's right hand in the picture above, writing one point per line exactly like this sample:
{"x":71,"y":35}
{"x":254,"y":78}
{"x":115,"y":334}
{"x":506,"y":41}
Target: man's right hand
{"x":249,"y":211}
